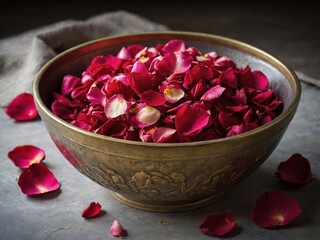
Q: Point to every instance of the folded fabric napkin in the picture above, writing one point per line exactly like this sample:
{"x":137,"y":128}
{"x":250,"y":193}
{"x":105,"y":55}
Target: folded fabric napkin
{"x":22,"y":56}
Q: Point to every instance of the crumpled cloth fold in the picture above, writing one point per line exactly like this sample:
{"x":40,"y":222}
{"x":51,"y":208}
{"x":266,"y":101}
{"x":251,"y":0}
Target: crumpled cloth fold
{"x":23,"y":55}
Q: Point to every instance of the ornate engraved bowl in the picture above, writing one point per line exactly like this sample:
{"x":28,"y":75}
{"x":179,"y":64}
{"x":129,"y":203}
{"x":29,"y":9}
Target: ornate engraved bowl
{"x":169,"y":176}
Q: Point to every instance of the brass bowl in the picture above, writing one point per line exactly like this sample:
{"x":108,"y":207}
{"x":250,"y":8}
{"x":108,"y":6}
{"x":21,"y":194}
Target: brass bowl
{"x":169,"y":176}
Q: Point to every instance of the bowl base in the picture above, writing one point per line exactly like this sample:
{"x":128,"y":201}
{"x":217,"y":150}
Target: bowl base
{"x":167,"y":207}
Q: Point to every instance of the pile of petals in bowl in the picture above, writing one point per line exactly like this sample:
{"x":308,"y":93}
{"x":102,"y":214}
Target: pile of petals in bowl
{"x":166,"y":93}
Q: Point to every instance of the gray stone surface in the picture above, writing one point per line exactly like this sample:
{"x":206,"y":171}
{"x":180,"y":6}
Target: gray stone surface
{"x":57,"y":215}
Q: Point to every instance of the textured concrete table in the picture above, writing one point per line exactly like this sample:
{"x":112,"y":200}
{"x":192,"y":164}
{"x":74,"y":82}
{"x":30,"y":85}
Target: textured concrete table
{"x":288,"y":32}
{"x":57,"y":215}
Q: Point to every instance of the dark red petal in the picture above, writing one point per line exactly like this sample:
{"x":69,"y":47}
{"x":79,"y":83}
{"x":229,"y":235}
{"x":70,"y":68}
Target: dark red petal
{"x":22,"y":108}
{"x":24,"y":156}
{"x":242,"y":128}
{"x":92,"y":210}
{"x":228,"y":78}
{"x":295,"y":170}
{"x":273,"y":209}
{"x":191,"y":119}
{"x":37,"y":179}
{"x":153,"y":98}
{"x":218,"y":225}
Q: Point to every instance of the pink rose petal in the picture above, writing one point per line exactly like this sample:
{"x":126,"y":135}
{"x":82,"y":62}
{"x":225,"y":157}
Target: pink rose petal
{"x":69,"y":83}
{"x":218,"y":225}
{"x":296,"y":170}
{"x":175,"y":45}
{"x":116,"y":106}
{"x":37,"y":179}
{"x":173,"y":94}
{"x":117,"y":230}
{"x":146,"y":117}
{"x":175,"y":64}
{"x":92,"y":210}
{"x":274,"y":209}
{"x":24,"y":156}
{"x":191,"y":119}
{"x":213,"y":93}
{"x":22,"y":108}
{"x":162,"y":134}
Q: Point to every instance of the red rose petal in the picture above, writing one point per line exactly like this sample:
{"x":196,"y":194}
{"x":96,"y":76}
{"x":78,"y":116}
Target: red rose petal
{"x":295,"y":170}
{"x":242,"y":128}
{"x":218,"y":225}
{"x":37,"y":179}
{"x":190,"y":119}
{"x":153,"y":98}
{"x":69,"y":83}
{"x":92,"y":210}
{"x":273,"y":209}
{"x":22,"y":108}
{"x":24,"y":156}
{"x":117,"y":230}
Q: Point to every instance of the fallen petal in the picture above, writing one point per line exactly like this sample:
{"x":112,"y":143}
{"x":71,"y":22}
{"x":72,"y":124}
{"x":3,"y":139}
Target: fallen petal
{"x":273,"y":209}
{"x":295,"y":170}
{"x":92,"y":210}
{"x":22,"y":108}
{"x":117,"y":230}
{"x":175,"y":45}
{"x":218,"y":225}
{"x":24,"y":156}
{"x":37,"y":179}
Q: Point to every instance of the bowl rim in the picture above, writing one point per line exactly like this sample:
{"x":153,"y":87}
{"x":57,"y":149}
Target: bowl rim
{"x":222,"y":40}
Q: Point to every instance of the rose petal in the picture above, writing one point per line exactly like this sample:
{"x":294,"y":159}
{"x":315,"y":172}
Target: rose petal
{"x":190,"y":119}
{"x":153,"y":98}
{"x":162,"y":134}
{"x":175,"y":45}
{"x":229,"y":78}
{"x":242,"y":128}
{"x":95,"y":96}
{"x":213,"y":93}
{"x":24,"y":156}
{"x":146,"y":117}
{"x":69,"y":83}
{"x":295,"y":170}
{"x":175,"y":64}
{"x":22,"y":108}
{"x":117,"y":230}
{"x":173,"y":94}
{"x":273,"y":209}
{"x":92,"y":210}
{"x":256,"y":79}
{"x":116,"y":106}
{"x":37,"y":179}
{"x":218,"y":225}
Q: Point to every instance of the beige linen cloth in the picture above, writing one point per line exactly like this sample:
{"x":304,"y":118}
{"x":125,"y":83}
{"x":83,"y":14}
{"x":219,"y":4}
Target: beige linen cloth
{"x":22,"y":56}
